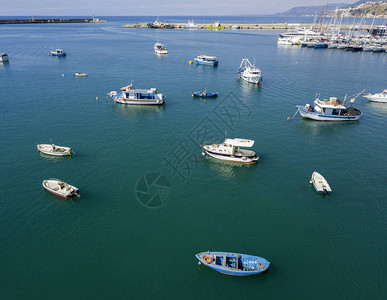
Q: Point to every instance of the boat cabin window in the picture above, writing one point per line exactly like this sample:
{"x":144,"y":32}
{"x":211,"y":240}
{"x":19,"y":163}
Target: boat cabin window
{"x":328,"y":111}
{"x":127,"y":95}
{"x":336,"y":111}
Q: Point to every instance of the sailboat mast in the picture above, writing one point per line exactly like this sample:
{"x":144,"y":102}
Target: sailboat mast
{"x":323,"y":18}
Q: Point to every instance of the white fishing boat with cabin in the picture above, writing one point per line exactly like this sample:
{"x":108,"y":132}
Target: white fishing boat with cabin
{"x":320,"y":183}
{"x":230,"y":150}
{"x":160,"y":48}
{"x":60,"y":188}
{"x":132,"y":96}
{"x":51,"y":149}
{"x":250,"y":72}
{"x":330,"y":110}
{"x":380,"y":97}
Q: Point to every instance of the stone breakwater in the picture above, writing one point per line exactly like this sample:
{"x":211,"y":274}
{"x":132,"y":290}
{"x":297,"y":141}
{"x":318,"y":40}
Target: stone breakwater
{"x":49,"y":20}
{"x":271,"y":26}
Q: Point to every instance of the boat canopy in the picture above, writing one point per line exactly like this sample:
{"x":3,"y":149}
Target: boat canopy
{"x":239,"y":142}
{"x":207,"y":57}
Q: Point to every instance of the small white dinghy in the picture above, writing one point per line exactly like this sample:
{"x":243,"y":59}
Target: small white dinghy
{"x":320,"y":183}
{"x":80,"y":74}
{"x":54,"y":150}
{"x":60,"y":188}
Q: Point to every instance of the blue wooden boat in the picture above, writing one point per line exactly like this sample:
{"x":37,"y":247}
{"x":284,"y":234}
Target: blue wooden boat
{"x":320,"y":45}
{"x":58,"y":52}
{"x":206,"y":60}
{"x":204,"y":94}
{"x":233,"y":263}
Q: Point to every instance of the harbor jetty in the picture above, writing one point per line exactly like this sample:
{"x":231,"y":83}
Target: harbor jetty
{"x":267,"y":26}
{"x":50,"y":20}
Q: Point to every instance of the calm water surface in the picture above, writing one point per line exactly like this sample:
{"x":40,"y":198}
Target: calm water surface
{"x":108,"y":244}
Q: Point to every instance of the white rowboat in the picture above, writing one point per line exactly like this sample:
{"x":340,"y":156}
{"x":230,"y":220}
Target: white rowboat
{"x":54,"y":150}
{"x":320,"y":183}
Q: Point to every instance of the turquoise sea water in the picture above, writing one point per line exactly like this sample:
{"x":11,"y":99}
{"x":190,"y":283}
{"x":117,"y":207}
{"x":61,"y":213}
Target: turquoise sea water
{"x":114,"y":243}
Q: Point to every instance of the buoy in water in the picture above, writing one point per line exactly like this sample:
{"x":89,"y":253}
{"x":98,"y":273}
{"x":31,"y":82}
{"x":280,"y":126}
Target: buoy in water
{"x":203,"y":154}
{"x":190,"y":62}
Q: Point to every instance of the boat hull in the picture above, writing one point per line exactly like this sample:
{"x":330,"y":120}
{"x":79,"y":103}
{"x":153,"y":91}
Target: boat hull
{"x":139,"y":102}
{"x":375,"y":98}
{"x":232,"y":158}
{"x":254,"y":80}
{"x":56,"y":54}
{"x":332,"y":118}
{"x":208,"y":95}
{"x":248,"y":264}
{"x":207,"y":63}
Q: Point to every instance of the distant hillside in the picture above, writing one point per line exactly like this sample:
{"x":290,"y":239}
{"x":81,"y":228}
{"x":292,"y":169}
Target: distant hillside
{"x":362,"y":1}
{"x":311,"y":10}
{"x":369,"y":9}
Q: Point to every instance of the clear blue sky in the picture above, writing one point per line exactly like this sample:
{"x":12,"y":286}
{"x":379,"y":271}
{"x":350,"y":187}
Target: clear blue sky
{"x":150,"y":7}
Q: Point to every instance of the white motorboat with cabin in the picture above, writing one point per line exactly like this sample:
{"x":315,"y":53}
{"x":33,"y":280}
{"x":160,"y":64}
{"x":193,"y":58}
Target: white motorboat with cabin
{"x":130,"y":95}
{"x":230,"y":150}
{"x":329,"y":110}
{"x":3,"y":57}
{"x":206,"y":60}
{"x":380,"y":97}
{"x":160,"y":48}
{"x":304,"y":32}
{"x":250,"y":72}
{"x":320,"y":183}
{"x":60,"y":188}
{"x":192,"y":25}
{"x":51,"y":149}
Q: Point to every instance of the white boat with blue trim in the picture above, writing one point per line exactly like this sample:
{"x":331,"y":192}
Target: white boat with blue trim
{"x":250,"y":72}
{"x":206,"y":60}
{"x":58,"y":52}
{"x":230,"y":150}
{"x":329,"y":110}
{"x":235,"y":264}
{"x":132,"y":96}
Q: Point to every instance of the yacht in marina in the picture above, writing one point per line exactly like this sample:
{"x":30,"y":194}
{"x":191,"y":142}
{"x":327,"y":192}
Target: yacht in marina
{"x":250,"y":72}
